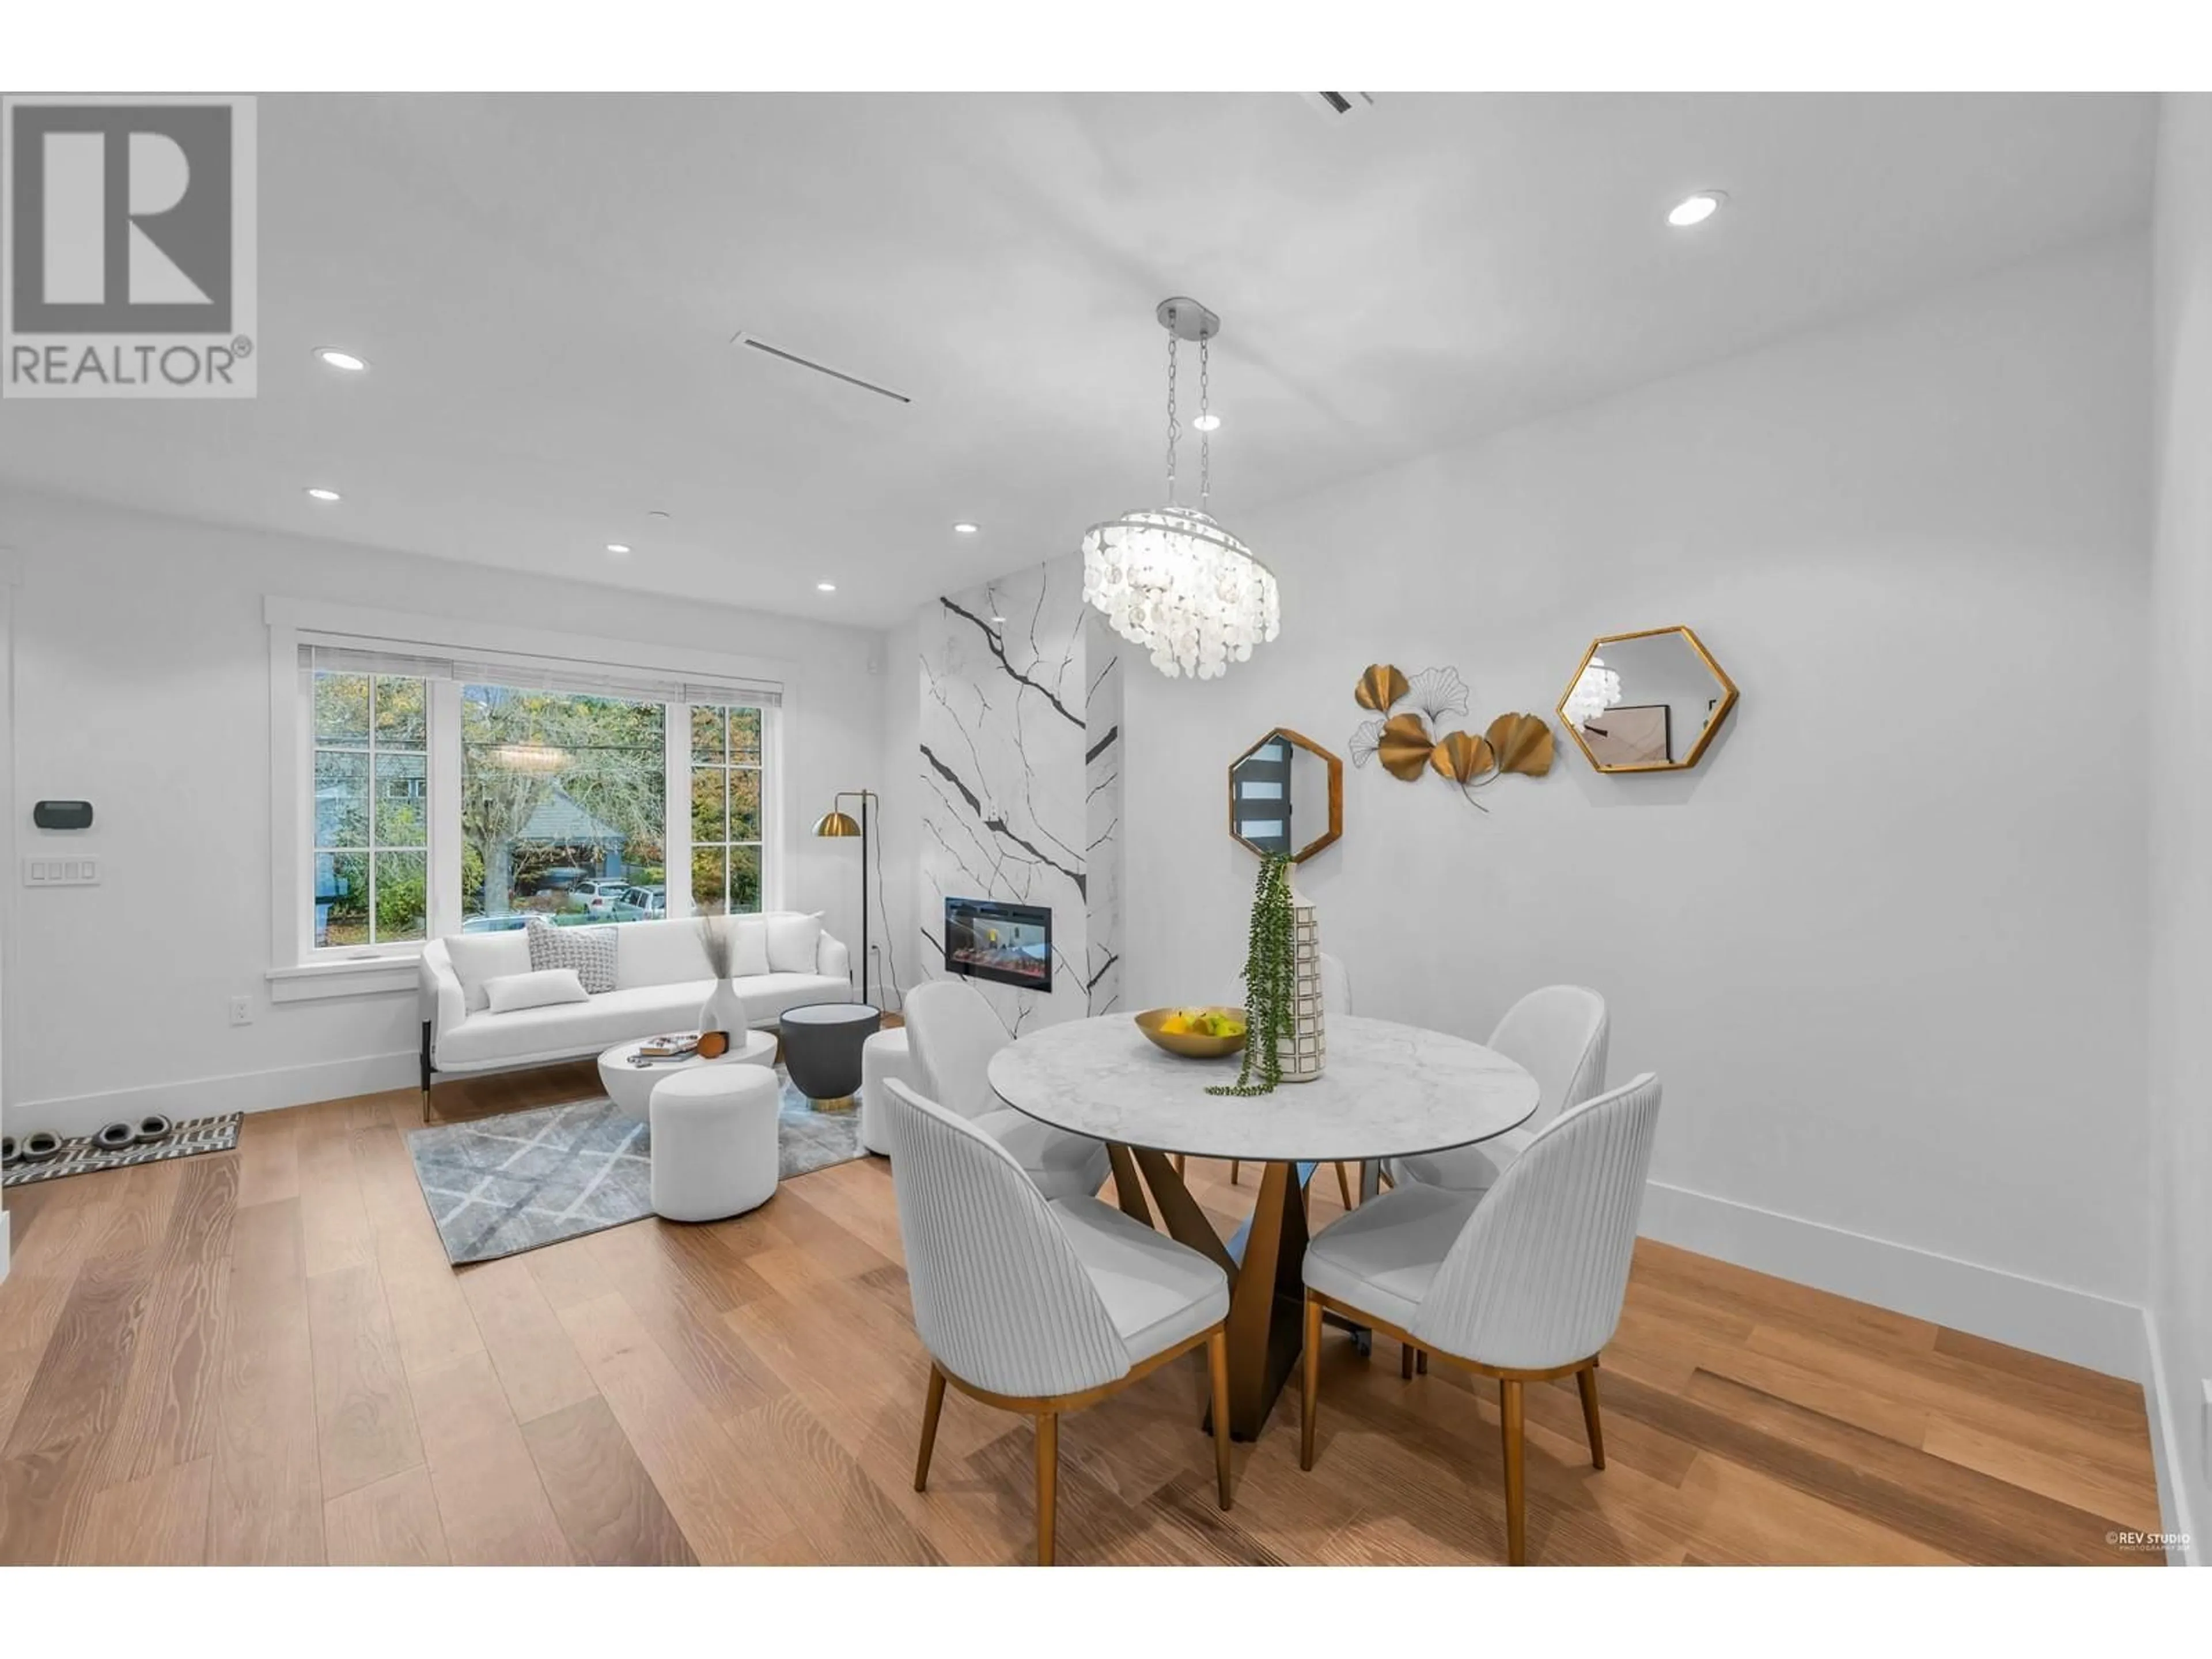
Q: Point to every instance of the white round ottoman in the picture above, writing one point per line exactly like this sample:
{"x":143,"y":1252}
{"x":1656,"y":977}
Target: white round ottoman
{"x":714,"y":1141}
{"x":883,"y":1056}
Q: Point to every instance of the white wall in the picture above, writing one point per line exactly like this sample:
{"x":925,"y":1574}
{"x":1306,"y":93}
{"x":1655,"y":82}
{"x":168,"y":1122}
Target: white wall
{"x":903,"y":793}
{"x":1885,"y":944}
{"x":141,"y":679}
{"x":10,"y":572}
{"x":2181,"y":808}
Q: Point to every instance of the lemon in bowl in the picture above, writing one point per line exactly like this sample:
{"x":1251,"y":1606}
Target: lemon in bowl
{"x":1195,"y":1033}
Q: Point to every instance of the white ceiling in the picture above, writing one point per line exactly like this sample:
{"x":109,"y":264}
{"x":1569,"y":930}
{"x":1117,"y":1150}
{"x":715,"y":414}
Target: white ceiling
{"x":546,"y":286}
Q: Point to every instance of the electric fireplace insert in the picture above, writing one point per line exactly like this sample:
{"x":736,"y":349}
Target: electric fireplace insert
{"x":1011,"y":943}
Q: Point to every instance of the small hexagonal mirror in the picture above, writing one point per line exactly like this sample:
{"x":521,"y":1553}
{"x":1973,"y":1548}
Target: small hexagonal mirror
{"x":1287,"y":796}
{"x":1649,"y":702}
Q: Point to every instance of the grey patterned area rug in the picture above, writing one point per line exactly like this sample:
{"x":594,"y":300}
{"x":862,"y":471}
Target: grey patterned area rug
{"x":498,"y":1186}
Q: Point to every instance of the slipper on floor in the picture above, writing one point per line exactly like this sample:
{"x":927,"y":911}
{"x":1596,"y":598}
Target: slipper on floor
{"x":40,"y":1146}
{"x":154,"y":1128}
{"x":9,"y":1156}
{"x":115,"y":1137}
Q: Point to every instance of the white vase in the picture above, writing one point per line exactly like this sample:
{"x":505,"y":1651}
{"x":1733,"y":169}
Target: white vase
{"x":725,"y":1011}
{"x":1303,"y":1054}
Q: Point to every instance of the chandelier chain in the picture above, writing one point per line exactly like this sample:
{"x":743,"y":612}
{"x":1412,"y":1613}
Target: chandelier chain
{"x":1205,"y":426}
{"x":1173,"y":431}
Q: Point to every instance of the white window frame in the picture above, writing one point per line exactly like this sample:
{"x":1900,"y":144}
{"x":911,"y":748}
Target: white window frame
{"x":298,"y":971}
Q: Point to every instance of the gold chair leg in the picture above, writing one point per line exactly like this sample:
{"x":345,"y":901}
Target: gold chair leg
{"x":1178,"y":1163}
{"x":1309,"y":1385}
{"x":1343,"y":1185}
{"x":1234,"y":1166}
{"x":1405,"y":1362}
{"x":934,"y":1405}
{"x":1047,"y":1459}
{"x":1516,"y":1519}
{"x":1217,"y":1365}
{"x":1586,"y":1379}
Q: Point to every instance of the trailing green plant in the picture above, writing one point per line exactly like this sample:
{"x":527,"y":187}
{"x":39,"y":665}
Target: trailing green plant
{"x":1270,"y":982}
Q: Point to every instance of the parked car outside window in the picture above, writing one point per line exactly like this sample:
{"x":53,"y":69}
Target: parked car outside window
{"x":641,"y":904}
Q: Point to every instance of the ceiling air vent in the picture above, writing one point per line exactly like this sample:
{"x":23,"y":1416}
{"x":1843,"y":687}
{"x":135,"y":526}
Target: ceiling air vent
{"x":742,"y":338}
{"x":1336,"y":104}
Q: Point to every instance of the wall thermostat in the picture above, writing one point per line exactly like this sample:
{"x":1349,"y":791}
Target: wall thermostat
{"x":63,"y":815}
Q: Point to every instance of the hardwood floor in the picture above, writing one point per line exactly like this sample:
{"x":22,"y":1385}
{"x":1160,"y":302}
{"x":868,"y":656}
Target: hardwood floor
{"x":263,"y":1356}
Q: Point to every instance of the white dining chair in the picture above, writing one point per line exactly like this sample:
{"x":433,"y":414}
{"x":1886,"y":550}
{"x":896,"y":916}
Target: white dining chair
{"x":1039,"y":1306}
{"x":1558,"y":1033}
{"x":1523,"y":1283}
{"x":1335,"y":999}
{"x":953,"y":1034}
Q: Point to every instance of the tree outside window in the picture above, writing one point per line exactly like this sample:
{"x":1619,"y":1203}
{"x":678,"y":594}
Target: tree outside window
{"x":562,"y":795}
{"x":725,"y":808}
{"x":372,"y":810}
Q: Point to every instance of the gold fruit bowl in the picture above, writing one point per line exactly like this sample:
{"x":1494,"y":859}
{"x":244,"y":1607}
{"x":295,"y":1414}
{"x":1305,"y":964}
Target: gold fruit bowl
{"x":1191,"y":1045}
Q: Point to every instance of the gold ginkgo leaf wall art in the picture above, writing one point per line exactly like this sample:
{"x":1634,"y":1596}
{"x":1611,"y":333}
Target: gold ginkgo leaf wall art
{"x":1403,"y":743}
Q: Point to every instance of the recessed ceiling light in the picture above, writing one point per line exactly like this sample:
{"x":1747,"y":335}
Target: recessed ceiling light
{"x":825,"y":587}
{"x":964,"y":528}
{"x":321,"y":495}
{"x":1696,"y":209}
{"x":999,"y":619}
{"x":344,"y":360}
{"x":1205,"y":422}
{"x":618,"y":547}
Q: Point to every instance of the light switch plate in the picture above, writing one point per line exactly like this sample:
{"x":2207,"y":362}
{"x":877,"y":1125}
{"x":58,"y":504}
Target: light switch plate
{"x":74,"y":871}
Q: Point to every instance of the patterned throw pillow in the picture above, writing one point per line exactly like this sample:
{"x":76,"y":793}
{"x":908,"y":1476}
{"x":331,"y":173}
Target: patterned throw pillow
{"x":589,"y":950}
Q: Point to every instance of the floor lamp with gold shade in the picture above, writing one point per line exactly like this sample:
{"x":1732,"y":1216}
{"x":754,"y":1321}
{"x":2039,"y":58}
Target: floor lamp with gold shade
{"x":838,"y":821}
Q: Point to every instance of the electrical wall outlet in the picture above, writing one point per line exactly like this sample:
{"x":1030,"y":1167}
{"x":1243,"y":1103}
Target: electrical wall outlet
{"x":79,"y":872}
{"x":241,"y":1011}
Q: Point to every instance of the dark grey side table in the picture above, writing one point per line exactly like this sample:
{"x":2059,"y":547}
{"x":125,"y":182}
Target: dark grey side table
{"x":822,"y":1043}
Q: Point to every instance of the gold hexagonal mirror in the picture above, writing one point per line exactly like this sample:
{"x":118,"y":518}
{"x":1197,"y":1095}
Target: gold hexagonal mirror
{"x":1648,"y":701}
{"x":1287,"y":796}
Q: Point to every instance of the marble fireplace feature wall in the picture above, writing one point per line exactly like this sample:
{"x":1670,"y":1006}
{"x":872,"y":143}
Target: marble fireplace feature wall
{"x":1020,"y":755}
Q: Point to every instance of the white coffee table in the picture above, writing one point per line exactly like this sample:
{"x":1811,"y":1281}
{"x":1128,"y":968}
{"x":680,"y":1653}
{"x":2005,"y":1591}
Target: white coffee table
{"x":630,"y":1087}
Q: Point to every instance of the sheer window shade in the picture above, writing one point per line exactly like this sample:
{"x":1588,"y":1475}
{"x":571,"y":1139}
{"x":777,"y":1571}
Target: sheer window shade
{"x":535,"y":674}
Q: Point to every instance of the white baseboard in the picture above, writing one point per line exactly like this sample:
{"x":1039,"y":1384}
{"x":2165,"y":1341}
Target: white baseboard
{"x":2174,"y":1519}
{"x":3,"y":1247}
{"x":205,"y":1096}
{"x":2076,"y":1326}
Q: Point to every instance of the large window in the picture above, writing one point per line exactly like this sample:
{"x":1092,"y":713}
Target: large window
{"x":436,"y":797}
{"x":564,"y":805}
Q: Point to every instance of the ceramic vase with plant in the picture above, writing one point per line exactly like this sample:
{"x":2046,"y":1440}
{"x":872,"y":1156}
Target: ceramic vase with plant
{"x":1286,"y":1039}
{"x":724,"y":1010}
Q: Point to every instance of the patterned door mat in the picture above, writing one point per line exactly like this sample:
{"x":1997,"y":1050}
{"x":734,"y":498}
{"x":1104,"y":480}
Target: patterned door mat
{"x":498,"y":1186}
{"x":81,"y":1156}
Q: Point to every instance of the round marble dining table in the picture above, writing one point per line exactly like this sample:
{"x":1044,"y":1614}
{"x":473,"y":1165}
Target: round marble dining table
{"x":1389,"y":1090}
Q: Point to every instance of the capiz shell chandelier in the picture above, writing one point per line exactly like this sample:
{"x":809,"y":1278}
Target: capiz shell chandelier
{"x":1171,"y":579}
{"x":1596,"y":689}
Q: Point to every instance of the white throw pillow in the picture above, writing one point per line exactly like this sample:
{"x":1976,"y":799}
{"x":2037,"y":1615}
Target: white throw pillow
{"x":479,"y":957}
{"x":752,"y":947}
{"x":793,"y":942}
{"x":589,"y":950}
{"x":538,"y":989}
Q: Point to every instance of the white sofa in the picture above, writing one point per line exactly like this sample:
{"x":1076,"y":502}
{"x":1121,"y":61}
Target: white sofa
{"x":661,"y":978}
